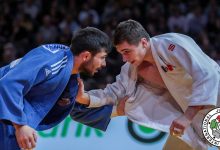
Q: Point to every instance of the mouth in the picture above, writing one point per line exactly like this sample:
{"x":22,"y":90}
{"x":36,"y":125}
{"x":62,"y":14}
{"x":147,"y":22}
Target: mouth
{"x":132,"y":62}
{"x":98,"y":69}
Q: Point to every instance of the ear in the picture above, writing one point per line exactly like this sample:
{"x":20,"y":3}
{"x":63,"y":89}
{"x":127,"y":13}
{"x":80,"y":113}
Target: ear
{"x":85,"y":56}
{"x":144,"y":41}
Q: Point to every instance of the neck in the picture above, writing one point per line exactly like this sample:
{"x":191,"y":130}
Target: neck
{"x":149,"y":56}
{"x":76,"y":64}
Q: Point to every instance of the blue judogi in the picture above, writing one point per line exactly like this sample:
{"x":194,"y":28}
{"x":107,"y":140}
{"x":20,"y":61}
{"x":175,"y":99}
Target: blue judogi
{"x":33,"y":87}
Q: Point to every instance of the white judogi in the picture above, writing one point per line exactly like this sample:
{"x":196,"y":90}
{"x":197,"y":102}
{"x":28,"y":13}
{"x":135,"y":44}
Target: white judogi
{"x":191,"y":78}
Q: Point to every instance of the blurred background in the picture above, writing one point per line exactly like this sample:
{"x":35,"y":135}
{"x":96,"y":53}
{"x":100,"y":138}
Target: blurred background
{"x":25,"y":24}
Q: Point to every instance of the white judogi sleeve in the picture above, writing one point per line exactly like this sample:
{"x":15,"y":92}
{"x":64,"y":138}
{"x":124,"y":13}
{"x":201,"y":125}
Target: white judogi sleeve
{"x":195,"y":76}
{"x":116,"y":90}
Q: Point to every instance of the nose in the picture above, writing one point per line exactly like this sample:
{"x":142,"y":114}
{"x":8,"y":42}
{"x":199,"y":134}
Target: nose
{"x":104,"y":63}
{"x":125,"y":58}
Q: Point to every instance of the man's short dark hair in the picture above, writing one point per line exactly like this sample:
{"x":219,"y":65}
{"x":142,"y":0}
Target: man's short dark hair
{"x":129,"y":31}
{"x":90,"y":39}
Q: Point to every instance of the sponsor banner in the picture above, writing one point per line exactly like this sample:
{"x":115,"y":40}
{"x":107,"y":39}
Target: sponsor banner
{"x":121,"y":134}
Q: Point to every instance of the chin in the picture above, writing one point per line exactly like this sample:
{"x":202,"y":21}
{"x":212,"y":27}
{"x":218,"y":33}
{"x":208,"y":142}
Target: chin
{"x":91,"y":74}
{"x":136,"y":64}
{"x":88,"y":73}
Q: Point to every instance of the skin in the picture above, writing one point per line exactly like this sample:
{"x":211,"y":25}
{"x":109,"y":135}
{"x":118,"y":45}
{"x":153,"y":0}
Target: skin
{"x":87,"y":63}
{"x":135,"y":54}
{"x":84,"y":62}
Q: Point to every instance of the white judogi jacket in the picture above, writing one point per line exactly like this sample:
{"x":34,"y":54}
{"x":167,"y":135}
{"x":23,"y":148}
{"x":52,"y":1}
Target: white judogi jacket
{"x":191,"y":78}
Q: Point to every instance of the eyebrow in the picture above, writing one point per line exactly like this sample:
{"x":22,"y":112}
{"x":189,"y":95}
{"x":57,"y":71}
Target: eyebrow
{"x":105,"y":55}
{"x":124,"y":50}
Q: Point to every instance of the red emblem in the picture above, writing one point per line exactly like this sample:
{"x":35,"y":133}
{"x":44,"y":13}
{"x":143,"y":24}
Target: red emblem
{"x":170,"y":67}
{"x":218,"y":118}
{"x":171,"y":47}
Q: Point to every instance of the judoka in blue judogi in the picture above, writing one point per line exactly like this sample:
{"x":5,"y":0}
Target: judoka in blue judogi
{"x":38,"y":90}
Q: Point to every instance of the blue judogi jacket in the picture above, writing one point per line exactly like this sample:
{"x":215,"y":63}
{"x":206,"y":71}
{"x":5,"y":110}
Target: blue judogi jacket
{"x":31,"y":88}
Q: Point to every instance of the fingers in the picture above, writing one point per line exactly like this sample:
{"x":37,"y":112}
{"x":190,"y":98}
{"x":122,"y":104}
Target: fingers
{"x":20,"y":143}
{"x":26,"y":136}
{"x":28,"y":143}
{"x":25,"y":143}
{"x":35,"y":137}
{"x":80,"y":88}
{"x":33,"y":141}
{"x":80,"y":82}
{"x":176,"y":129}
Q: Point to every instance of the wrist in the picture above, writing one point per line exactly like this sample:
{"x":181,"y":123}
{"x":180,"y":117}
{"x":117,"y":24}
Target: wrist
{"x":187,"y":118}
{"x":192,"y":111}
{"x":84,"y":99}
{"x":17,"y":126}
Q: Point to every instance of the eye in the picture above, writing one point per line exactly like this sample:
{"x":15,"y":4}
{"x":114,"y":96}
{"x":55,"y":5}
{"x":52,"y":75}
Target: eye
{"x":103,"y":57}
{"x":126,"y":52}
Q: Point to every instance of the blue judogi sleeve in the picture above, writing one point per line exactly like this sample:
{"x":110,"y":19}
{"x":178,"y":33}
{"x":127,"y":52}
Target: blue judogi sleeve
{"x":94,"y":117}
{"x":15,"y":83}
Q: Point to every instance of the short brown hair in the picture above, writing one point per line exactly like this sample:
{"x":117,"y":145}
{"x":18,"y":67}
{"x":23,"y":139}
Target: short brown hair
{"x":130,"y":31}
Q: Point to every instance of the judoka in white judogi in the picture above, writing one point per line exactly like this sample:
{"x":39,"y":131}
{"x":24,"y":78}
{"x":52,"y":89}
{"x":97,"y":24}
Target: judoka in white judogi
{"x":191,"y":79}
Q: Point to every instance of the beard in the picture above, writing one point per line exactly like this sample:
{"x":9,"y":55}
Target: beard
{"x":85,"y":67}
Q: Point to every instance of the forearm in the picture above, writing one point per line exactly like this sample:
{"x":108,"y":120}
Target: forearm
{"x":191,"y":112}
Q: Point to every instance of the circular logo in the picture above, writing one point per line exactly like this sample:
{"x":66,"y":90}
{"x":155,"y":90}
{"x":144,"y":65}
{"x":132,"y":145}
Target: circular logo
{"x":144,"y":134}
{"x":211,"y":127}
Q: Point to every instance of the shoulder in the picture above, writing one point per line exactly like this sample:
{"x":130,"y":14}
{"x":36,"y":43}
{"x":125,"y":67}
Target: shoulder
{"x":48,"y":50}
{"x":173,"y":38}
{"x":49,"y":55}
{"x":54,"y":48}
{"x":173,"y":42}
